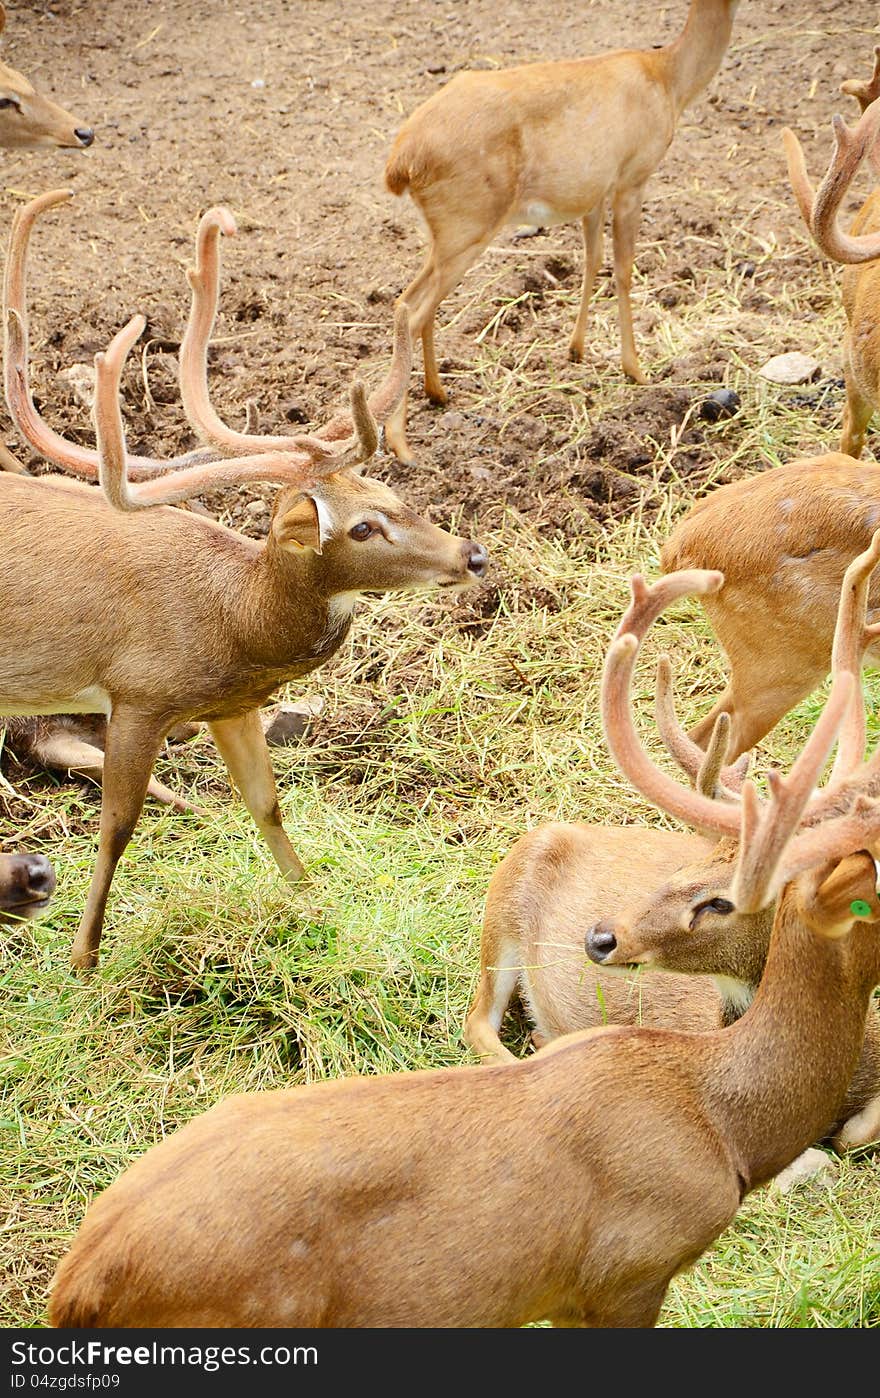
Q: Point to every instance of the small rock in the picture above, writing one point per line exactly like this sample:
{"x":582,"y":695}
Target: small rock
{"x":288,"y":722}
{"x":436,"y":68}
{"x":257,"y":508}
{"x":258,"y":83}
{"x":791,"y":368}
{"x":451,"y":422}
{"x":722,"y":403}
{"x":813,"y":1166}
{"x":80,"y":379}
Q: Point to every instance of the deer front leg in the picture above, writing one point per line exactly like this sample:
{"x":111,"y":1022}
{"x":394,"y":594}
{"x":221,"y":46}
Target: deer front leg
{"x":242,"y":745}
{"x":627,"y":217}
{"x":133,"y":742}
{"x":592,"y":227}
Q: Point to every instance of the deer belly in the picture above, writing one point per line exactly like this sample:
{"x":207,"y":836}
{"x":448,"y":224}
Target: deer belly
{"x":91,"y":700}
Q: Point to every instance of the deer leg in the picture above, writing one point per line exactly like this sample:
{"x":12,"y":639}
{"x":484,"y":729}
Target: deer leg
{"x":627,"y":217}
{"x":446,"y":264}
{"x":133,"y":741}
{"x":862,"y":1129}
{"x":242,"y":745}
{"x":71,"y":754}
{"x":592,"y":227}
{"x":856,"y":416}
{"x":494,"y":993}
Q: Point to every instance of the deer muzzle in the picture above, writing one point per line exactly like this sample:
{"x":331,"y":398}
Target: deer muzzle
{"x":27,"y":882}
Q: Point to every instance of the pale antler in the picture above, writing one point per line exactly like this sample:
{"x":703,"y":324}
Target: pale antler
{"x":283,"y":468}
{"x":708,"y":774}
{"x":865,"y":92}
{"x":204,"y":280}
{"x":819,"y":210}
{"x":81,"y":461}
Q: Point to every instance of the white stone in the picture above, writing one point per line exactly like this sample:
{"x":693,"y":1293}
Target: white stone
{"x":791,"y":368}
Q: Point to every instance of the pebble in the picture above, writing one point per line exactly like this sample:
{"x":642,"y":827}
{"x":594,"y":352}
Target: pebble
{"x":257,"y":508}
{"x":791,"y":368}
{"x":722,"y":403}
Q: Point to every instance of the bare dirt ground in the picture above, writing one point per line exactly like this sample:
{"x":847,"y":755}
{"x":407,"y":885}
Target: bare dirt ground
{"x":286,"y":111}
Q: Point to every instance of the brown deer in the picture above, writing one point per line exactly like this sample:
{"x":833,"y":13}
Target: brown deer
{"x":570,"y":1186}
{"x":28,"y":120}
{"x":545,"y":143}
{"x":114,"y":638}
{"x":861,"y":283}
{"x":27,"y":882}
{"x":567,"y":888}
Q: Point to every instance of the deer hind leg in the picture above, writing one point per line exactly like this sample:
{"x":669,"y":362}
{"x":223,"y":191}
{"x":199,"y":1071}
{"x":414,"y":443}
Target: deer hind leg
{"x":757,"y":699}
{"x":242,"y":745}
{"x":592,"y":227}
{"x":133,"y":742}
{"x":449,"y":258}
{"x":627,"y":217}
{"x":862,"y":1129}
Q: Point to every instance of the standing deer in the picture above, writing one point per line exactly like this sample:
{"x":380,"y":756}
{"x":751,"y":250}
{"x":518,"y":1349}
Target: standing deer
{"x":570,"y":1186}
{"x":545,"y":143}
{"x":27,"y":882}
{"x":861,"y":283}
{"x":113,"y":637}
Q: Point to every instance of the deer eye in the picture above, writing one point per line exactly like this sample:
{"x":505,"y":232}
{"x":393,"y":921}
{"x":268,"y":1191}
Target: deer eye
{"x":361,"y":531}
{"x":714,"y":905}
{"x":9,"y":102}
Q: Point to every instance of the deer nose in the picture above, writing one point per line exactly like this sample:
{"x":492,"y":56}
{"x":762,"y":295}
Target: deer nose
{"x":84,"y":134}
{"x":40,"y":876}
{"x":477,"y":558}
{"x":599,"y":942}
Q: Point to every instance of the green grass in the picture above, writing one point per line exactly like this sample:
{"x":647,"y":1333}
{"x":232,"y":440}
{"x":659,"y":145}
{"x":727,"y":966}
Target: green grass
{"x":446,"y":735}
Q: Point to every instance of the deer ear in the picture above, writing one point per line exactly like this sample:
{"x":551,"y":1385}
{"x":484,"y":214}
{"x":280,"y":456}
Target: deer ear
{"x":299,"y":527}
{"x":847,"y":895}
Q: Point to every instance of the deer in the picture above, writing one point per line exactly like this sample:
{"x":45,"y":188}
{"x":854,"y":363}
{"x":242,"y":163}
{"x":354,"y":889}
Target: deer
{"x":858,"y":250}
{"x":568,"y":889}
{"x":545,"y":143}
{"x":27,"y":882}
{"x":570,"y":1186}
{"x":30,"y":121}
{"x":113,"y":638}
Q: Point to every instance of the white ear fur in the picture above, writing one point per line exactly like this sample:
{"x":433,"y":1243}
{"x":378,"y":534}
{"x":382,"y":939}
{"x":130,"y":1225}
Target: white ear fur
{"x":325,"y":520}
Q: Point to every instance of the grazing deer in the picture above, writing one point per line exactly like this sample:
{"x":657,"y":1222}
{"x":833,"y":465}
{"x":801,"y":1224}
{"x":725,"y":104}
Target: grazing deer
{"x":570,"y":1186}
{"x":27,"y":882}
{"x":28,"y":120}
{"x":545,"y":143}
{"x":562,"y":885}
{"x":113,"y":637}
{"x":861,"y":284}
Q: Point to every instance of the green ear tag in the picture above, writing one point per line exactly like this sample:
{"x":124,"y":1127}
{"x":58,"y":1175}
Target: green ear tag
{"x":860,"y":907}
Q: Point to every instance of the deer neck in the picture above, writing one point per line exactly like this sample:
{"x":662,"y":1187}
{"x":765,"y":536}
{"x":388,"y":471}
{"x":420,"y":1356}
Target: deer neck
{"x":781,"y":1072}
{"x":695,"y":56}
{"x":292,"y":619}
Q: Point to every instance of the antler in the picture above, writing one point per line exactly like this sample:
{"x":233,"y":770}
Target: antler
{"x":865,"y":92}
{"x":704,"y":767}
{"x":204,"y":280}
{"x":819,"y":210}
{"x":79,"y":460}
{"x":282,"y":468}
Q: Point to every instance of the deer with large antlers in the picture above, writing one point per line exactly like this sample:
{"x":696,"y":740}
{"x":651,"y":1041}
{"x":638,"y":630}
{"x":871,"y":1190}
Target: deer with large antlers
{"x":570,"y":1186}
{"x":564,"y":889}
{"x":861,"y":246}
{"x":546,"y":143}
{"x":242,"y":617}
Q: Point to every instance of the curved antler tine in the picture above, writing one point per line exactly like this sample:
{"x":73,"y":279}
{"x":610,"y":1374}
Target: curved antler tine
{"x":336,"y":456}
{"x":798,"y":178}
{"x":688,"y":754}
{"x":851,"y":639}
{"x":620,"y":734}
{"x":55,"y":448}
{"x":851,"y":144}
{"x":708,"y":779}
{"x":865,"y":92}
{"x":109,"y":429}
{"x":765,"y":836}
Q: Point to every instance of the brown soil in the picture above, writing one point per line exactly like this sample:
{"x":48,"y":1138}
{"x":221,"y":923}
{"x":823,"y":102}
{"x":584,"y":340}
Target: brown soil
{"x":285,"y":111}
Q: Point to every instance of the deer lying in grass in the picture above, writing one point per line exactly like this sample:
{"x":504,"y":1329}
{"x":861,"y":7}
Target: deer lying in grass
{"x":545,"y":143}
{"x":570,"y":1186}
{"x":27,"y":882}
{"x":861,"y":283}
{"x":562,"y":885}
{"x":28,"y":120}
{"x":115,"y":638}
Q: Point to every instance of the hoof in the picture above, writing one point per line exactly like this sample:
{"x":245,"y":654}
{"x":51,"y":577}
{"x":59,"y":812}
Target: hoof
{"x":576,"y":354}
